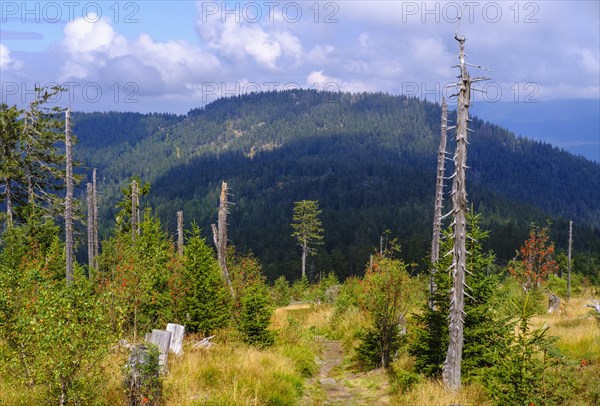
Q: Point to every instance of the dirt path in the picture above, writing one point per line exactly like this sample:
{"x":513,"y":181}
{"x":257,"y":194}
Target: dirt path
{"x":335,"y":385}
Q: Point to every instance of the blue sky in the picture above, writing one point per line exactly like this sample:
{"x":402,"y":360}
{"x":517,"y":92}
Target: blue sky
{"x":171,"y":56}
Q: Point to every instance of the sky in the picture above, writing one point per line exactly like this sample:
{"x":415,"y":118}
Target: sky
{"x":172,"y":56}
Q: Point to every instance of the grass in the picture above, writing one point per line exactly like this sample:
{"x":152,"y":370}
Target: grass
{"x":233,"y":375}
{"x":578,"y":333}
{"x":110,"y":392}
{"x":433,"y":393}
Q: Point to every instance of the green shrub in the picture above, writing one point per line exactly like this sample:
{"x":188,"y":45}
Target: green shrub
{"x":388,"y":294}
{"x":402,"y":380}
{"x":53,"y":335}
{"x":558,"y":285}
{"x":369,"y":353}
{"x":281,"y":292}
{"x":299,"y":289}
{"x":529,"y":370}
{"x":255,"y":317}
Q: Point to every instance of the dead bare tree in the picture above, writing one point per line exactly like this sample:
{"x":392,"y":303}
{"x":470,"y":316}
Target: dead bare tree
{"x":180,"y":232}
{"x":569,"y":260}
{"x":8,"y":201}
{"x":452,"y":365}
{"x":90,"y":226}
{"x":220,"y":234}
{"x":595,"y":305}
{"x":135,"y":209}
{"x":95,"y":225}
{"x":439,"y":199}
{"x":69,"y":197}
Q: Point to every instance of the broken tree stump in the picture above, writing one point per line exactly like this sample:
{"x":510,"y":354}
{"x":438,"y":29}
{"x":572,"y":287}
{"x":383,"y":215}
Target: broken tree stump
{"x":142,"y":375}
{"x":177,"y":332}
{"x":553,"y":302}
{"x":162,"y":339}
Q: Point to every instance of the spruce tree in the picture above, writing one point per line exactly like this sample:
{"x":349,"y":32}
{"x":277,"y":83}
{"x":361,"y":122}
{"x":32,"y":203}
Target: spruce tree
{"x":484,"y":330}
{"x":208,"y":302}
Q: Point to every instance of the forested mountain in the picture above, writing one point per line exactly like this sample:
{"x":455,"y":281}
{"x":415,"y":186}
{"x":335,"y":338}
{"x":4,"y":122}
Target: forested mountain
{"x":369,"y":159}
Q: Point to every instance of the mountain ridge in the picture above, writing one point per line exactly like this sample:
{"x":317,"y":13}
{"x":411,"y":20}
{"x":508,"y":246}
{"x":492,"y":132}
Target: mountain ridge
{"x":369,"y":159}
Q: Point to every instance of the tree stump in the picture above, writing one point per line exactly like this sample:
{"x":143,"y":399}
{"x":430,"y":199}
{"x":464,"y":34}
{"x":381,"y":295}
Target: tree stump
{"x":553,"y":302}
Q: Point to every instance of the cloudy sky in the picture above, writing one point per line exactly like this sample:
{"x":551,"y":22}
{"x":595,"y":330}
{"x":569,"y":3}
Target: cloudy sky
{"x":171,"y":56}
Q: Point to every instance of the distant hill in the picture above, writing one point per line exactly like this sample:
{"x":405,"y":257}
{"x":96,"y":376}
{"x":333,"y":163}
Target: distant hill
{"x":368,"y":158}
{"x":573,"y":125}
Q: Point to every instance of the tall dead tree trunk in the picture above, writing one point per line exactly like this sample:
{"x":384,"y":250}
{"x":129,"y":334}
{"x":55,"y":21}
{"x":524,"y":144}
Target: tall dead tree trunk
{"x":95,"y":225}
{"x":8,"y":201}
{"x":69,"y":197}
{"x":439,"y":199}
{"x":30,"y":188}
{"x":569,"y":260}
{"x":90,"y":227}
{"x":452,"y":364}
{"x":220,"y":235}
{"x":180,"y":232}
{"x":304,"y":255}
{"x":135,"y":211}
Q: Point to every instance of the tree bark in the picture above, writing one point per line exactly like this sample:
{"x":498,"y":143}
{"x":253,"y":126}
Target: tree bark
{"x":220,"y":235}
{"x":69,"y":198}
{"x":180,"y":232}
{"x":439,"y":199}
{"x":304,"y":254}
{"x":452,"y":365}
{"x":9,"y":205}
{"x":90,"y":227}
{"x":95,"y":225}
{"x":135,"y":202}
{"x":569,"y":260}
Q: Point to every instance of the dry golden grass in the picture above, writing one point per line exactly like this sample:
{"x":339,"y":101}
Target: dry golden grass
{"x":578,"y":333}
{"x":433,"y":393}
{"x":281,"y":314}
{"x":232,"y":375}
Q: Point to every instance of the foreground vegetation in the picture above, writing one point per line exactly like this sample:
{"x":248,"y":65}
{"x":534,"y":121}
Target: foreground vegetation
{"x":288,"y":371}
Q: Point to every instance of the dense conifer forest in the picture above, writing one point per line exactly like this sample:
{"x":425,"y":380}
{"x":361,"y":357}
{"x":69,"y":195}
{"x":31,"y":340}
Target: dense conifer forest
{"x":369,"y":159}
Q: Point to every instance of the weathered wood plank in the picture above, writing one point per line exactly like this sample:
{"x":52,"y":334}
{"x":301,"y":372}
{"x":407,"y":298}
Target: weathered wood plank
{"x":162,"y":339}
{"x":177,"y":332}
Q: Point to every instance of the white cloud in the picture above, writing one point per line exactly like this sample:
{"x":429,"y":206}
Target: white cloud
{"x":4,"y":57}
{"x":90,"y":42}
{"x":238,"y":40}
{"x":6,"y":61}
{"x":320,"y":81}
{"x":589,"y":61}
{"x":95,"y":52}
{"x":177,"y":61}
{"x":429,"y":55}
{"x":85,"y":36}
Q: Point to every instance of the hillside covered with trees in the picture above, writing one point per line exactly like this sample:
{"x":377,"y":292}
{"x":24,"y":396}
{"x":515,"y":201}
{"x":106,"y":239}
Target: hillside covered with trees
{"x":369,"y":159}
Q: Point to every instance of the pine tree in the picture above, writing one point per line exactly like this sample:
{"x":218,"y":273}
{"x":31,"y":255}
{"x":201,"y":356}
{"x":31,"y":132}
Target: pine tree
{"x":11,"y":173}
{"x":42,"y":161}
{"x":307,"y":228}
{"x":32,"y":167}
{"x":208,"y":302}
